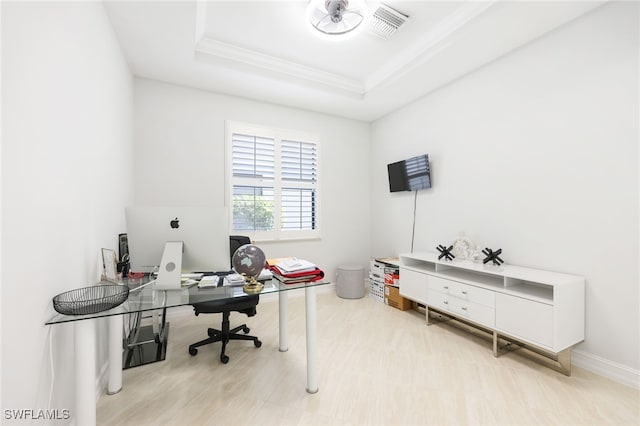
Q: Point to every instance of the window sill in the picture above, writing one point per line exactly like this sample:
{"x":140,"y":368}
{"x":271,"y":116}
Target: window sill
{"x":286,"y":240}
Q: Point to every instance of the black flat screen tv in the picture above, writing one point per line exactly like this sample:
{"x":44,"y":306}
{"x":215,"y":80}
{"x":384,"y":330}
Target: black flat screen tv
{"x":411,"y":174}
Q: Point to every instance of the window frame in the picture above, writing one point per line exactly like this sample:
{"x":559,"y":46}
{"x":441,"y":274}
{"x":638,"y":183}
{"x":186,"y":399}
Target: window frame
{"x":278,"y":135}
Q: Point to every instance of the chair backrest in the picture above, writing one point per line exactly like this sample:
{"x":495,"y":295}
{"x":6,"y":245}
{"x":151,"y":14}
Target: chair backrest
{"x":236,"y":241}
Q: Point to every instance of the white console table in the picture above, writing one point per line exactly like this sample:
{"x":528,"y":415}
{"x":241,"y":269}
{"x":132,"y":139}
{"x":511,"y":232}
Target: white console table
{"x":540,"y":309}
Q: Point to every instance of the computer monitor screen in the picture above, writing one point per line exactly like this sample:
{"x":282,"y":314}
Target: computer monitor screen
{"x":202,"y":230}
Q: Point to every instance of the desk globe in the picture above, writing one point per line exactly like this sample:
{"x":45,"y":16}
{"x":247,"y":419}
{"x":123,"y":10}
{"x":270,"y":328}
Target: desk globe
{"x":248,"y":261}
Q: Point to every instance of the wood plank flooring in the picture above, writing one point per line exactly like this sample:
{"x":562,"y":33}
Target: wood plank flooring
{"x":377,"y":366}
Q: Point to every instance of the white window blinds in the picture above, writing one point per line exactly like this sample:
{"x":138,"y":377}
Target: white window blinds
{"x":299,"y":161}
{"x":253,"y":156}
{"x":298,"y":209}
{"x":299,"y":171}
{"x":274,"y":185}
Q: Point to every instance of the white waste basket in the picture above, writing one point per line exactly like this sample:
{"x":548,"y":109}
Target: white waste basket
{"x":350,"y":282}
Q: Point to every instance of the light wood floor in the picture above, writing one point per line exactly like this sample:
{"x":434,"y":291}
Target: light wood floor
{"x":377,"y":366}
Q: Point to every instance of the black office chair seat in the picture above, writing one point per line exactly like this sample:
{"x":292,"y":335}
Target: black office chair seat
{"x":245,"y":305}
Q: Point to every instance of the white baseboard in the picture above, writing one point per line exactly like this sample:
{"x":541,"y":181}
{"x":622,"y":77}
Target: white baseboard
{"x":606,"y":368}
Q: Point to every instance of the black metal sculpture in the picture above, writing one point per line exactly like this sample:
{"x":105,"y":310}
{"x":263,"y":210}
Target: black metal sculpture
{"x":445,"y":252}
{"x":493,"y":256}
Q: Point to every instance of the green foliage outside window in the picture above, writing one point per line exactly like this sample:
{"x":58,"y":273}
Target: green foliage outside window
{"x":252,"y":213}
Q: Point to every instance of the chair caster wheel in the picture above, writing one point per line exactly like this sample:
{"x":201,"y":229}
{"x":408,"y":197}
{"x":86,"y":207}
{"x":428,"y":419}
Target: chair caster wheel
{"x":224,"y":359}
{"x":193,"y":351}
{"x":246,"y":330}
{"x":258,"y":343}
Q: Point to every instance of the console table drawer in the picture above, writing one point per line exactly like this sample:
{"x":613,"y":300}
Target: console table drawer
{"x":438,"y":299}
{"x":472,"y":311}
{"x":462,"y":291}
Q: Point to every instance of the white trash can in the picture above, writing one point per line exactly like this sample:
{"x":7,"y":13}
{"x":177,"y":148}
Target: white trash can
{"x":350,"y":282}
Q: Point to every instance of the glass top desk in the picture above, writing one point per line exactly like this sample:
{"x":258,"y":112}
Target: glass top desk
{"x":144,"y":298}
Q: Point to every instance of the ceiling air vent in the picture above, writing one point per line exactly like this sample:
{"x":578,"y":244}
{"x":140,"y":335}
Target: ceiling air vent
{"x":386,"y":21}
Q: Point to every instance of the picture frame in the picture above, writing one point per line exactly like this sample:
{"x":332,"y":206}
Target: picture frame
{"x":109,"y":265}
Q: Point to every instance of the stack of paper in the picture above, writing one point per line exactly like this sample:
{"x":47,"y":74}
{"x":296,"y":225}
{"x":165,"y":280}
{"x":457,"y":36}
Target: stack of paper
{"x":293,"y":270}
{"x":208,"y":281}
{"x":295,"y":265}
{"x":233,"y":280}
{"x":187,"y":282}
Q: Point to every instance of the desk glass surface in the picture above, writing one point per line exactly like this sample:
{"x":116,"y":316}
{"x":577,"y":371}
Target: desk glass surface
{"x":147,"y":298}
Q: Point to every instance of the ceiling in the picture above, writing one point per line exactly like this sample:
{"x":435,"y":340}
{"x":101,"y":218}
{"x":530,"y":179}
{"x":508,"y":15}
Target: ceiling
{"x":264,"y":50}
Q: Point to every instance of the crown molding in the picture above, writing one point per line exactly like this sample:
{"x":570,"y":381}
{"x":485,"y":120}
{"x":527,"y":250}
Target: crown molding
{"x":435,"y":41}
{"x":216,"y":49}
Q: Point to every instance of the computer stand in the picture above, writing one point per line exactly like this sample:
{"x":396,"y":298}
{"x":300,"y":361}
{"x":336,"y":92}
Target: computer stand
{"x":147,"y":345}
{"x":169,"y":273}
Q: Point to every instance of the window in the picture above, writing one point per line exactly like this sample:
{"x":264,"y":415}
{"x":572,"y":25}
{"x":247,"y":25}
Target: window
{"x":273,"y":183}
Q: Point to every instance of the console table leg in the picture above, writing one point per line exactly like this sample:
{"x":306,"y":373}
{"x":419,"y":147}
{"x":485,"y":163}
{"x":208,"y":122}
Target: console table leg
{"x":564,"y":362}
{"x":114,"y":385}
{"x":312,"y":353}
{"x":282,"y":321}
{"x":501,"y":345}
{"x":85,"y":352}
{"x":560,"y":362}
{"x":430,"y":320}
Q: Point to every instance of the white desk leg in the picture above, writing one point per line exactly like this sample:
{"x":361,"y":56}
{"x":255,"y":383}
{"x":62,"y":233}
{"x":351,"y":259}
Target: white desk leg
{"x":312,"y":353}
{"x":282,"y":318}
{"x":85,"y":351}
{"x":114,"y":384}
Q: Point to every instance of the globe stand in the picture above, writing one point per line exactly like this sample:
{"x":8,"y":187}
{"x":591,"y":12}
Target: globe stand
{"x":252,"y":286}
{"x":249,"y":260}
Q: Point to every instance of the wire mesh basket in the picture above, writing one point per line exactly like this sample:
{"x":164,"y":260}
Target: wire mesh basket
{"x":90,"y":300}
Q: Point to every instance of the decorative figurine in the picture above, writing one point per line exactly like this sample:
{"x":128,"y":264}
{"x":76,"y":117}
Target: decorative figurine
{"x":462,"y":247}
{"x":493,"y":256}
{"x":445,"y":252}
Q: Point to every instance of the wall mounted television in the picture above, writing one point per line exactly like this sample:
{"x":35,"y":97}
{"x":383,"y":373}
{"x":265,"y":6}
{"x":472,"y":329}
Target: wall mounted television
{"x":411,"y":174}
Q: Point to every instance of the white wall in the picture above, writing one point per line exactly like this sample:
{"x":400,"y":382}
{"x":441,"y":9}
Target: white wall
{"x":179,"y":160}
{"x":66,"y":173}
{"x":537,"y":154}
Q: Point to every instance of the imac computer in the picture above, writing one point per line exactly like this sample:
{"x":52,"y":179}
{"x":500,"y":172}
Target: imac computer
{"x":177,"y":240}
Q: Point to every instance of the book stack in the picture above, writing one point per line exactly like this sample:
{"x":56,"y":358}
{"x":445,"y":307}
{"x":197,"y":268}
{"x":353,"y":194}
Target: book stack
{"x":233,"y":280}
{"x":293,"y":270}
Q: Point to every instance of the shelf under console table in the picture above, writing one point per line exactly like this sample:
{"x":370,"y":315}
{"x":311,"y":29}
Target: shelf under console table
{"x":539,"y":310}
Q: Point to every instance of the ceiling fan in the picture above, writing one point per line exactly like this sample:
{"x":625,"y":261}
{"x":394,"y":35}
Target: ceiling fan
{"x":336,"y":18}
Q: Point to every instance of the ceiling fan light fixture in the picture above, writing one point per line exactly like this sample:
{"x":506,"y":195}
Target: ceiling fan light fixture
{"x":336,"y":19}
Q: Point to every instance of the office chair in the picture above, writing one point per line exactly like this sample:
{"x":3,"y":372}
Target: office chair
{"x":246,"y":305}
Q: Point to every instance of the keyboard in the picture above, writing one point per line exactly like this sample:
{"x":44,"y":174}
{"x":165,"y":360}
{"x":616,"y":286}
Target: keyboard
{"x":209,"y":281}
